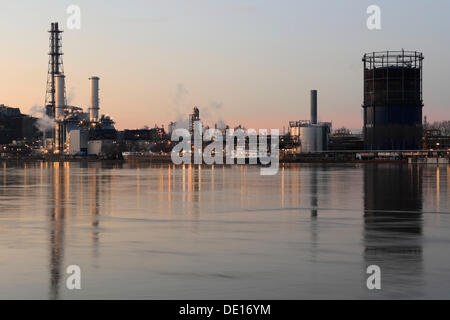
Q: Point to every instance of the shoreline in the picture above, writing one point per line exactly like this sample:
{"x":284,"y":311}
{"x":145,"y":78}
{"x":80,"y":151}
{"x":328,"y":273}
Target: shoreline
{"x":166,"y":159}
{"x":161,"y":160}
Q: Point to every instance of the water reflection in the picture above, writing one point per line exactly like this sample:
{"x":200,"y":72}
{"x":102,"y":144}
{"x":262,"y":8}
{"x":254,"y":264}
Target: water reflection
{"x":393,"y":225}
{"x":314,"y":196}
{"x":67,"y":197}
{"x":139,"y":230}
{"x":94,"y":205}
{"x":57,"y":197}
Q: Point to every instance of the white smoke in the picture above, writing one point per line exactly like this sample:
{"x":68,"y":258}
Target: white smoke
{"x":70,"y":95}
{"x":216,"y":105}
{"x":221,"y":125}
{"x":44,"y":122}
{"x":180,"y":93}
{"x":182,"y":123}
{"x":37,"y":110}
{"x":210,"y":113}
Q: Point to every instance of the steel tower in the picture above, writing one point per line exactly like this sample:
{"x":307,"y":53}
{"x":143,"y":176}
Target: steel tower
{"x":55,"y":67}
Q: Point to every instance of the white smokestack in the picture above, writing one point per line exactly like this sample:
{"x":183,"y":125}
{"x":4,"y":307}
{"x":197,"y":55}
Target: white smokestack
{"x":93,"y":111}
{"x":59,"y":93}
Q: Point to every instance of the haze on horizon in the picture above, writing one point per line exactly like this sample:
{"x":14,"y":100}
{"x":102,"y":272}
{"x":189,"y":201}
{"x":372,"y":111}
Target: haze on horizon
{"x":250,"y":62}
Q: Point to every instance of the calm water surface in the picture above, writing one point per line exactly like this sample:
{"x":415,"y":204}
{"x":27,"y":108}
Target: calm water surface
{"x":162,"y":232}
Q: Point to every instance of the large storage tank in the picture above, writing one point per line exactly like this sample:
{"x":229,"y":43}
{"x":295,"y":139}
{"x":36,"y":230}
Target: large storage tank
{"x":311,"y":138}
{"x":393,"y":100}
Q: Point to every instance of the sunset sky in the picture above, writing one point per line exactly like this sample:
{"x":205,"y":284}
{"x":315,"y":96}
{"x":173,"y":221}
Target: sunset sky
{"x":249,"y":62}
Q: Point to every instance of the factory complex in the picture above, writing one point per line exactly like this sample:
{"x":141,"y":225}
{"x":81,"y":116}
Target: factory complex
{"x":392,"y":111}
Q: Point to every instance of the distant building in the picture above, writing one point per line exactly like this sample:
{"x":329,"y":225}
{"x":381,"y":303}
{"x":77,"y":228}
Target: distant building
{"x":78,"y":142}
{"x":145,"y":140}
{"x":342,"y":140}
{"x":6,"y":111}
{"x":151,"y":135}
{"x":15,"y":126}
{"x":309,"y":135}
{"x":434,"y":140}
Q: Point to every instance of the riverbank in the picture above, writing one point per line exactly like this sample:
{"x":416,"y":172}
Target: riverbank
{"x":328,"y":157}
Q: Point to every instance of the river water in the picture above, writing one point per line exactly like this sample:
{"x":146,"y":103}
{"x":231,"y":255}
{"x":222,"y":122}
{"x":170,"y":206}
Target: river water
{"x":141,"y":231}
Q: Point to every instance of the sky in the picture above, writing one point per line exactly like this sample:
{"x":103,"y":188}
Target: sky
{"x":249,"y":62}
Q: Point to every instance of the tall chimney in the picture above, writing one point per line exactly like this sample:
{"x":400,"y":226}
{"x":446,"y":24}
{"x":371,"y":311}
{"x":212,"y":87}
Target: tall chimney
{"x":93,"y":111}
{"x":313,"y":106}
{"x":60,"y":104}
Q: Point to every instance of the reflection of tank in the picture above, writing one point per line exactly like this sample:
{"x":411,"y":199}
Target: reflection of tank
{"x":393,"y":223}
{"x":393,"y":100}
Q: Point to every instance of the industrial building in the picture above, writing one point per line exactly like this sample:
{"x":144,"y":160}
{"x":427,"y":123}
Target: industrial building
{"x":393,"y":100}
{"x":433,"y":139}
{"x":343,"y":139}
{"x":309,"y":135}
{"x":75,"y":132}
{"x":193,"y":121}
{"x":15,"y":126}
{"x":145,"y":140}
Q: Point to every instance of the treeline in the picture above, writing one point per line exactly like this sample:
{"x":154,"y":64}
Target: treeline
{"x":442,"y":126}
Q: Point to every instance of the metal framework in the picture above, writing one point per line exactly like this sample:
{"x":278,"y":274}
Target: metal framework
{"x":380,"y":59}
{"x":55,"y":66}
{"x":392,"y":74}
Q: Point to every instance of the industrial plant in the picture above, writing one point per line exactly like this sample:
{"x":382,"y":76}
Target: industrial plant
{"x":75,"y":131}
{"x":309,"y":136}
{"x":392,"y":111}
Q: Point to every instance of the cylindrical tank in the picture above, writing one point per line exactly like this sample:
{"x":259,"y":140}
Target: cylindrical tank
{"x":313,"y":106}
{"x":59,"y":92}
{"x":93,"y":111}
{"x":311,"y":138}
{"x":393,"y":100}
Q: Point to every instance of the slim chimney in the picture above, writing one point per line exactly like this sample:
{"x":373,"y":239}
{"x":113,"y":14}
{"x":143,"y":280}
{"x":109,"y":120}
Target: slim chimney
{"x":94,"y":99}
{"x":313,"y":106}
{"x":59,"y":117}
{"x":60,"y":103}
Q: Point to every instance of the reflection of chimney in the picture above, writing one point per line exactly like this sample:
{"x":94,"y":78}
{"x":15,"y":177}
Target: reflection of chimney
{"x":94,"y":99}
{"x":313,"y":106}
